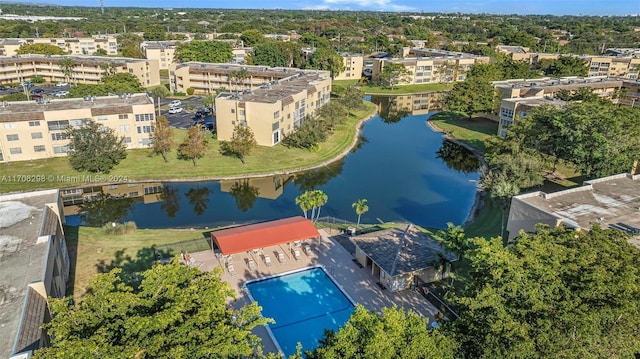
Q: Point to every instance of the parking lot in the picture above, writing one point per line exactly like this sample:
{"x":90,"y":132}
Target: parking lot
{"x":184,"y":119}
{"x":46,"y":90}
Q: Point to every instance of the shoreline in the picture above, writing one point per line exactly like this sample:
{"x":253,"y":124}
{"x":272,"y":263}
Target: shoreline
{"x":479,"y":201}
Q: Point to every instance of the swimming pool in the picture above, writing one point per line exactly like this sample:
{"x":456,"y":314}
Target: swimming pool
{"x":303,"y":303}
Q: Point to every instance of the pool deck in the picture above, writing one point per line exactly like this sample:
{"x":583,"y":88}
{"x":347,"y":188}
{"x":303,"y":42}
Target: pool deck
{"x":357,"y":282}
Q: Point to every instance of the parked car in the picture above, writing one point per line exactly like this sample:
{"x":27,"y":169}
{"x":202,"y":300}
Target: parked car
{"x":26,"y":84}
{"x":60,"y":93}
{"x":175,"y":103}
{"x":175,"y":109}
{"x":37,"y":91}
{"x":62,"y":84}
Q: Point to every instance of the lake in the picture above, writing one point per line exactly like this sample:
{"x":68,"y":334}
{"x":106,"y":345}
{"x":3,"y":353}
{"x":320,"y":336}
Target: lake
{"x":405,"y":170}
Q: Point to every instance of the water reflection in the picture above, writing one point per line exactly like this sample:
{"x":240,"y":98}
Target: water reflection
{"x":392,"y":109}
{"x":270,"y":187}
{"x":458,"y":157}
{"x":171,"y":201}
{"x":103,"y":208}
{"x":199,"y":198}
{"x":245,"y":194}
{"x":313,"y":179}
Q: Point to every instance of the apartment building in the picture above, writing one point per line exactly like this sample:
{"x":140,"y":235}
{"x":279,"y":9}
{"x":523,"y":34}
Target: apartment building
{"x":430,"y":66}
{"x":34,"y":266}
{"x":30,"y":130}
{"x":519,"y":96}
{"x":275,"y":110}
{"x":84,"y":69}
{"x":164,"y":52}
{"x":70,"y":45}
{"x":353,"y":66}
{"x":207,"y":78}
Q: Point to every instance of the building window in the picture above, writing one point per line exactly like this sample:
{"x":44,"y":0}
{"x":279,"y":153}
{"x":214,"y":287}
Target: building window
{"x":144,"y":141}
{"x":13,"y":138}
{"x":10,"y":125}
{"x":57,"y":125}
{"x":34,"y":123}
{"x":145,"y":129}
{"x":126,"y":140}
{"x":144,"y":117}
{"x":233,"y":110}
{"x":276,"y":114}
{"x":79,"y":122}
{"x":241,"y":112}
{"x":15,"y":150}
{"x":36,"y":135}
{"x":60,"y":149}
{"x":124,"y":128}
{"x":276,"y":137}
{"x":133,"y":194}
{"x":59,"y":136}
{"x":39,"y":148}
{"x":102,"y":118}
{"x":123,"y":117}
{"x":275,"y":126}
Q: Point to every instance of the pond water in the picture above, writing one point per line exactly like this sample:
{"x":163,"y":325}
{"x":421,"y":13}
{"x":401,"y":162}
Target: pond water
{"x":405,"y":170}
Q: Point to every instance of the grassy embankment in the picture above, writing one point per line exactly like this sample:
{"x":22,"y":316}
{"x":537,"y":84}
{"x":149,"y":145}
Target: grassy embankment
{"x":141,"y":165}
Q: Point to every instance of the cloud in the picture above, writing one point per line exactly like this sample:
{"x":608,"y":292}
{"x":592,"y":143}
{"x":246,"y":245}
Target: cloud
{"x":376,"y":5}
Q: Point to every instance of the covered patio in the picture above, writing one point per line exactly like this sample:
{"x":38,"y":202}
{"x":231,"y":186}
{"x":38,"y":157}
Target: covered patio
{"x":264,"y":244}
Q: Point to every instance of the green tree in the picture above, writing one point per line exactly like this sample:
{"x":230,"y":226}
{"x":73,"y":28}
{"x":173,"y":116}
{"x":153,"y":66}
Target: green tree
{"x":203,"y":51}
{"x":162,"y":137}
{"x":395,"y":333}
{"x":304,"y":202}
{"x":177,"y":311}
{"x":326,"y":59}
{"x":352,"y":98}
{"x":42,"y":49}
{"x":333,"y":114}
{"x":471,"y":96}
{"x":154,"y":32}
{"x":268,"y":54}
{"x":194,"y":145}
{"x":361,"y":208}
{"x":239,"y":77}
{"x":453,"y":239}
{"x":394,"y":73}
{"x":67,"y":65}
{"x":502,"y":189}
{"x":159,"y":92}
{"x":567,"y":66}
{"x":129,"y":45}
{"x":252,"y":37}
{"x":556,"y":293}
{"x":102,"y":208}
{"x":95,"y":148}
{"x":241,"y":143}
{"x":101,"y":52}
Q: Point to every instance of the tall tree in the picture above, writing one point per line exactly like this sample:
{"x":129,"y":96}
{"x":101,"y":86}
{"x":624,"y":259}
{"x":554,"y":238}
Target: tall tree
{"x":333,"y":114}
{"x":42,"y":49}
{"x":194,"y":145}
{"x":502,"y":189}
{"x":252,"y":37}
{"x":159,"y":92}
{"x":95,"y":148}
{"x":155,"y":32}
{"x":304,"y":202}
{"x":177,"y":311}
{"x":556,"y":293}
{"x":241,"y":143}
{"x":162,"y":137}
{"x":567,"y":66}
{"x":352,"y":98}
{"x":317,"y":199}
{"x":394,"y":73}
{"x":268,"y":54}
{"x":361,"y":208}
{"x":395,"y":333}
{"x":204,"y":51}
{"x":67,"y":65}
{"x":471,"y":96}
{"x":326,"y":59}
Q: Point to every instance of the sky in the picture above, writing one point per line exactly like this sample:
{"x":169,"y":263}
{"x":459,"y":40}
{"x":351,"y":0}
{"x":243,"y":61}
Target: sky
{"x":522,"y":7}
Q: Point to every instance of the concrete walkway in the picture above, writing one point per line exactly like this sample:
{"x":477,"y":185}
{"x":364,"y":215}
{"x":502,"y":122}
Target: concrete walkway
{"x":357,"y":282}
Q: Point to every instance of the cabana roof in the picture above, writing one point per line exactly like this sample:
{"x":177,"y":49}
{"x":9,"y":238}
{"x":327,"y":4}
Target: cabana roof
{"x":266,"y":234}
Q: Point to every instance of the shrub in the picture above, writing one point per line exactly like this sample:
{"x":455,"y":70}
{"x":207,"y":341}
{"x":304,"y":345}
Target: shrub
{"x":177,"y":93}
{"x":190,"y":91}
{"x":119,"y":228}
{"x":37,"y":79}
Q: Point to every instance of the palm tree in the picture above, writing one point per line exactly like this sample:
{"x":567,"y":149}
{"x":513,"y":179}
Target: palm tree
{"x":312,"y":200}
{"x":303,"y":201}
{"x":66,"y":65}
{"x":361,"y":208}
{"x":501,"y":189}
{"x":159,"y":92}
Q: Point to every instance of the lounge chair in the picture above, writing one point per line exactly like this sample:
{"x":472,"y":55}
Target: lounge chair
{"x":252,"y":264}
{"x":296,"y":254}
{"x":307,"y":249}
{"x":281,"y":258}
{"x":267,"y":260}
{"x":230,"y":268}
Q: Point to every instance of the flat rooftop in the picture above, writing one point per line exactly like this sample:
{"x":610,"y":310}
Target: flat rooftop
{"x":537,"y":101}
{"x":22,"y":256}
{"x":281,"y":90}
{"x":611,"y":201}
{"x":78,"y":59}
{"x":574,"y":81}
{"x":12,"y":111}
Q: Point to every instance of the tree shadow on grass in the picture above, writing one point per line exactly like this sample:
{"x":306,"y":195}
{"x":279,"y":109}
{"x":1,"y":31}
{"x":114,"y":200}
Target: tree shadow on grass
{"x":132,"y":266}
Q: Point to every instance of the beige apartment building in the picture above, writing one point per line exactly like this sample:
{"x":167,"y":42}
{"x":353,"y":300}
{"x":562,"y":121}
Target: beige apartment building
{"x":431,"y":66}
{"x":35,"y":267}
{"x":353,"y":66}
{"x":207,"y":78}
{"x":30,"y":130}
{"x":164,"y":52}
{"x":275,"y":110}
{"x":70,"y":45}
{"x":514,"y":108}
{"x":85,"y":69}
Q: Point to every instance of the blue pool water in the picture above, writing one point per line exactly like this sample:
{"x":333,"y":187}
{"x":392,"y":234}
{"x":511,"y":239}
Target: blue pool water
{"x":303,"y":304}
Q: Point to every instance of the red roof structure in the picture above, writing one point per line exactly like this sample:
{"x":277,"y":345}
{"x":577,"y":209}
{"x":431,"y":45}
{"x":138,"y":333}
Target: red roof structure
{"x":260,"y":235}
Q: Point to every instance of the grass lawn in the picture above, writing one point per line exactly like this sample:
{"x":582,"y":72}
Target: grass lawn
{"x":91,"y":251}
{"x":141,"y":165}
{"x":473,"y":132}
{"x":404,"y":89}
{"x":487,"y":223}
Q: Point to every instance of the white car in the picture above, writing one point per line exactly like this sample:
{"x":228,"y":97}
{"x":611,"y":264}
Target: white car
{"x":60,"y":93}
{"x":62,"y":84}
{"x":175,"y":109}
{"x":175,"y":103}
